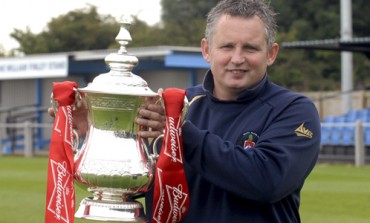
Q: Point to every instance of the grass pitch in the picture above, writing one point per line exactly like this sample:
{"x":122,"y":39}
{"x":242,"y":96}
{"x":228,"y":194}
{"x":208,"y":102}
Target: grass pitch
{"x":337,"y":194}
{"x":332,"y":193}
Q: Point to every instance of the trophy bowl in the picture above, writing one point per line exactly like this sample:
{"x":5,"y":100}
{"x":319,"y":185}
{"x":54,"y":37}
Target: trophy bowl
{"x":114,"y":163}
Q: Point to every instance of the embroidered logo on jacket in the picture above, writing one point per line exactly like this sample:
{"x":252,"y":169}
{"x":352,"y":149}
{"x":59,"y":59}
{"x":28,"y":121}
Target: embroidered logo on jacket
{"x":250,"y":139}
{"x":302,"y":131}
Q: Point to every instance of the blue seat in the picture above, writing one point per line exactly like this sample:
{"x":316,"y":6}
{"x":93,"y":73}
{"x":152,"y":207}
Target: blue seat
{"x":337,"y":130}
{"x":327,"y":130}
{"x":336,"y":138}
{"x":345,"y":134}
{"x":325,"y":135}
{"x":351,"y":116}
{"x":367,"y":136}
{"x":363,"y":115}
{"x":328,"y":119}
{"x":348,"y":135}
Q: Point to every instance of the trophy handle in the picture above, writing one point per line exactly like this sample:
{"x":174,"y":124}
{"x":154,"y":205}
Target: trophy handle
{"x":76,"y":141}
{"x":155,"y":147}
{"x":144,"y":144}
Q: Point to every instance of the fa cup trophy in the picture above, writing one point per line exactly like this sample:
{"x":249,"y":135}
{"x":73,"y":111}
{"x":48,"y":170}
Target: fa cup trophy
{"x":114,"y":162}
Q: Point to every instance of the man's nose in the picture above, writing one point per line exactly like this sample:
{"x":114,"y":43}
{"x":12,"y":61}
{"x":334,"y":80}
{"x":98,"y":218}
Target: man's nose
{"x":238,"y":57}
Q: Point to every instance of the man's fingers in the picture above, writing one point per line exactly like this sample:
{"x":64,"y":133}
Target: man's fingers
{"x":153,"y":112}
{"x":51,"y":112}
{"x":153,"y":124}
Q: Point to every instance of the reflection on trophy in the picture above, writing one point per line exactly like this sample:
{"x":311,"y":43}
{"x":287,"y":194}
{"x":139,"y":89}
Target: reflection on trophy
{"x":114,"y":162}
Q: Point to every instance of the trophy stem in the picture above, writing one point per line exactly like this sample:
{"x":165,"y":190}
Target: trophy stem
{"x":112,"y":207}
{"x":106,"y":196}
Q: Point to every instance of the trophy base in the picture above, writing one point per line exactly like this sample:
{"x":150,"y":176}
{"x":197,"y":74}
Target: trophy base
{"x":98,"y":210}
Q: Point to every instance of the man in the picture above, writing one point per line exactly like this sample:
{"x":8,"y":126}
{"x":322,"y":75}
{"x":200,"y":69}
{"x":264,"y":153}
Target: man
{"x":249,"y":144}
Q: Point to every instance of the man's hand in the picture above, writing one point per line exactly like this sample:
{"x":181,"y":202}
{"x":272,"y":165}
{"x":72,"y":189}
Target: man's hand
{"x":151,"y":118}
{"x":80,"y":122}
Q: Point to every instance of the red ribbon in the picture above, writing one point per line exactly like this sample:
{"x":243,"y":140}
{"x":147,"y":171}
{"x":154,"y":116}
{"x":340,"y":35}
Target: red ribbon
{"x":60,"y":194}
{"x":171,"y":194}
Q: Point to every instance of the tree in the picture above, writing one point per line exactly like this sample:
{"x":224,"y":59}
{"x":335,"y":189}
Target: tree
{"x":145,"y":35}
{"x":184,"y":20}
{"x":316,"y":20}
{"x":82,"y":29}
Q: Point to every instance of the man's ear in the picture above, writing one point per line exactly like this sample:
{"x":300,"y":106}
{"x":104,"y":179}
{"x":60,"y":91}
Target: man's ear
{"x":272,"y":54}
{"x":205,"y":48}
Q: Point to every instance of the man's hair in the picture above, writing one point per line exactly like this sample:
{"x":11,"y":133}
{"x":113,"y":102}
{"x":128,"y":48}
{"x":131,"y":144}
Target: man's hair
{"x":245,"y":9}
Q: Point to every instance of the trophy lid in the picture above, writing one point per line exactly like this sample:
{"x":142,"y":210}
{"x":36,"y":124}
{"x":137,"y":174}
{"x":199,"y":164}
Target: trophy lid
{"x":120,"y":79}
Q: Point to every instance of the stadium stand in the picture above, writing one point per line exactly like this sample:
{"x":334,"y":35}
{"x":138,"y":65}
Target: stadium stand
{"x":340,"y":130}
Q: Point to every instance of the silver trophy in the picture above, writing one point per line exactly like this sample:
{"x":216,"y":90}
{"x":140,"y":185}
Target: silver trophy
{"x":114,"y":163}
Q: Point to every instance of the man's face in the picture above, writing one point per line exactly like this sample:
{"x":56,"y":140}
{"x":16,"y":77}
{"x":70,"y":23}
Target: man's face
{"x":238,"y":55}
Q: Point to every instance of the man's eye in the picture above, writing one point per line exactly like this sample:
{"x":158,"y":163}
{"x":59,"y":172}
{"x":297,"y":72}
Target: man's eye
{"x":227,"y":46}
{"x":250,"y":49}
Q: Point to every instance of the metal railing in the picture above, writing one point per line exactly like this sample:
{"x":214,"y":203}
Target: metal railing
{"x":25,"y":138}
{"x":28,"y":143}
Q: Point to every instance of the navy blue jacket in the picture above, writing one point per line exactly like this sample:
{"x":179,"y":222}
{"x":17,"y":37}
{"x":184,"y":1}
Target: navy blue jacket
{"x":247,"y":160}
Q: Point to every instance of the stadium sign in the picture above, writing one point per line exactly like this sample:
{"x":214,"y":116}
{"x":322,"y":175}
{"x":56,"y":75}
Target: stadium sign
{"x":30,"y":67}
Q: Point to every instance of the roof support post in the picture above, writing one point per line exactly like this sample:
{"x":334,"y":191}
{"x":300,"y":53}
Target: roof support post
{"x":346,"y":57}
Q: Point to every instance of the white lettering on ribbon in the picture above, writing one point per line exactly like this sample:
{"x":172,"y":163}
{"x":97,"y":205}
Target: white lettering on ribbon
{"x":61,"y":178}
{"x":158,"y":212}
{"x":59,"y":188}
{"x":177,"y":195}
{"x":69,"y":125}
{"x":173,"y":139}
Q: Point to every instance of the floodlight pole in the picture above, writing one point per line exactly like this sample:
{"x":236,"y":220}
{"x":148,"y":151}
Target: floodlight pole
{"x":346,"y":57}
